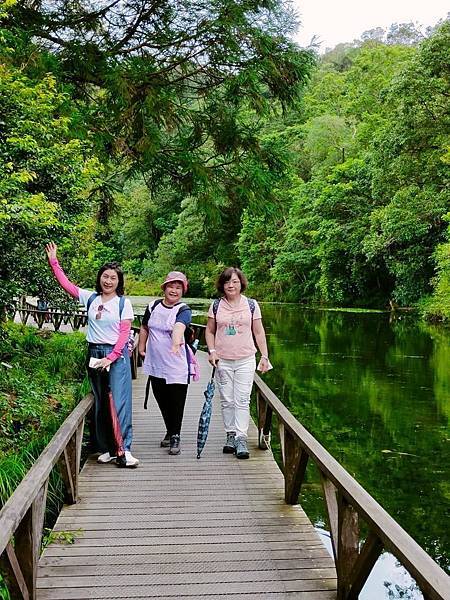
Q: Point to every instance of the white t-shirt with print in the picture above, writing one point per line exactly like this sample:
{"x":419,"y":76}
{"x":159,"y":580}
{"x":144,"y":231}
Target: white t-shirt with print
{"x":104,"y":330}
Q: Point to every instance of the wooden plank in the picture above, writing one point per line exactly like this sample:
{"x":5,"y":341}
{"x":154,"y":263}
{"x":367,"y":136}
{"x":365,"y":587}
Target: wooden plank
{"x":201,"y":577}
{"x":312,"y":556}
{"x":308,"y":550}
{"x":198,"y":524}
{"x":192,"y":590}
{"x":193,"y":564}
{"x":260,"y":595}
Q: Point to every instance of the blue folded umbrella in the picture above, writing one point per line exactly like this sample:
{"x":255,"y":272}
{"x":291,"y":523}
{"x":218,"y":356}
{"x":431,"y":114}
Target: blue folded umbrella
{"x":205,"y":415}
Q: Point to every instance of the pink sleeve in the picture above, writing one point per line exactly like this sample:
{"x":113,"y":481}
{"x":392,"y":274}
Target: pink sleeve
{"x":62,"y":279}
{"x":124,"y":333}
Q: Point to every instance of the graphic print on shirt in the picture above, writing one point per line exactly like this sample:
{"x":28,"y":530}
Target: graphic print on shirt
{"x":230,"y":329}
{"x":233,"y":327}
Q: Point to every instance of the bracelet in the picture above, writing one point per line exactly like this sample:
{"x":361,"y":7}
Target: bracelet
{"x":266,"y":357}
{"x":211,"y":351}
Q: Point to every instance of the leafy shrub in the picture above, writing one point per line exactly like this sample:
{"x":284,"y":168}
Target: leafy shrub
{"x":40,"y":384}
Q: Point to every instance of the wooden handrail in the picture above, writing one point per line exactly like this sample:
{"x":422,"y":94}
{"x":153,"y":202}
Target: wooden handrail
{"x":77,"y":319}
{"x":22,"y":516}
{"x":433,"y":581}
{"x":346,"y":501}
{"x":55,"y":316}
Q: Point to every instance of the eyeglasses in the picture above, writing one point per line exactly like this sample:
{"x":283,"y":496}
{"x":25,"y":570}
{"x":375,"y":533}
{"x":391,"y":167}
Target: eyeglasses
{"x":99,"y":311}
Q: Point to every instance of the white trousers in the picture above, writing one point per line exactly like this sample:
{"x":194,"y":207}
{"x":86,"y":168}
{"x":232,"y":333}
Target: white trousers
{"x":235,"y":380}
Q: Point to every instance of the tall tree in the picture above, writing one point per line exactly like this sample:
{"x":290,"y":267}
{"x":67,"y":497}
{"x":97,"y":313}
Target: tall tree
{"x":166,"y":81}
{"x":45,"y":179}
{"x":410,"y":171}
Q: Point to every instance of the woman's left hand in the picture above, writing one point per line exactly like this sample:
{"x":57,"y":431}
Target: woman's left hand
{"x":263,"y":365}
{"x":104,"y":363}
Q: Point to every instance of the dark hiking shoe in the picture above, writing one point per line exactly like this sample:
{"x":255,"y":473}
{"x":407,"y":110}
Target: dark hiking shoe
{"x":174,"y":444}
{"x":165,"y":443}
{"x":241,"y":448}
{"x":230,"y":447}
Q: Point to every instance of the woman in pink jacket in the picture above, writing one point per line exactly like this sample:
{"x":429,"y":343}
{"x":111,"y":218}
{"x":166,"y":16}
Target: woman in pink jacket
{"x":110,"y":316}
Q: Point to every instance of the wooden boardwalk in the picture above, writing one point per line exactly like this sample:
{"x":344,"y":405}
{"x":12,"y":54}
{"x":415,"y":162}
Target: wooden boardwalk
{"x":178,"y":527}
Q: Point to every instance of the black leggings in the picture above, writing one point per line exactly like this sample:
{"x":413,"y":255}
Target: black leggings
{"x":171,"y":398}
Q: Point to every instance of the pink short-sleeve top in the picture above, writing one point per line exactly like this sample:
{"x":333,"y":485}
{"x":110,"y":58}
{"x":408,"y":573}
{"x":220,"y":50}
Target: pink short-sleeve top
{"x":234,"y":336}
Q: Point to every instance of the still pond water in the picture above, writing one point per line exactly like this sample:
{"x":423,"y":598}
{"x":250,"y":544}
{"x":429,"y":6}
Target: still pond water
{"x":376,"y":393}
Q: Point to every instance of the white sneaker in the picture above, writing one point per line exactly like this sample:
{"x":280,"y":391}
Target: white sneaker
{"x":105,"y":458}
{"x":127,"y":461}
{"x":131,"y":460}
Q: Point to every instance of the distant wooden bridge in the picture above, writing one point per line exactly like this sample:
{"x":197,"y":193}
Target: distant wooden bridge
{"x":178,"y":527}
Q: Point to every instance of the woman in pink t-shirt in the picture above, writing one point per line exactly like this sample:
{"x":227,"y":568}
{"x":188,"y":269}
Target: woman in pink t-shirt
{"x":110,"y":316}
{"x":234,"y":324}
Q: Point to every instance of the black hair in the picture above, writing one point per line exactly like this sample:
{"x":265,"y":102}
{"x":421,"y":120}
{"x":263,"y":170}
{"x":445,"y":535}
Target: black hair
{"x":120,"y":291}
{"x":227,"y":274}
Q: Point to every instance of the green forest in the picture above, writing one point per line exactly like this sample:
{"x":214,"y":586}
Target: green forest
{"x":196,"y":135}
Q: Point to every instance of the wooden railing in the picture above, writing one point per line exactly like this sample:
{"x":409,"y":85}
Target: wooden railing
{"x":22,"y":517}
{"x":56,"y":317}
{"x":75,"y":319}
{"x":346,"y":503}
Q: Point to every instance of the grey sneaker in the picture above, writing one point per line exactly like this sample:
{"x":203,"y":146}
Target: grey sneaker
{"x":229,"y":447}
{"x":165,"y":443}
{"x":174,"y":444}
{"x":241,"y":448}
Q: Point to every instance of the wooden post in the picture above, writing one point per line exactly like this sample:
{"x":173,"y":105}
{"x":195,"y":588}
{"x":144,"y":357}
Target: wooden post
{"x":57,"y":319}
{"x":28,"y":540}
{"x":330,"y":496}
{"x":348,"y":545}
{"x":69,"y":464}
{"x":364,"y":564}
{"x":295,"y":461}
{"x":12,"y":574}
{"x":282,"y":441}
{"x":24,"y":314}
{"x":264,"y":421}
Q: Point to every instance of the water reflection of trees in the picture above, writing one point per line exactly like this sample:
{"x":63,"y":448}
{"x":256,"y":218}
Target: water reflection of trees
{"x":363,"y":386}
